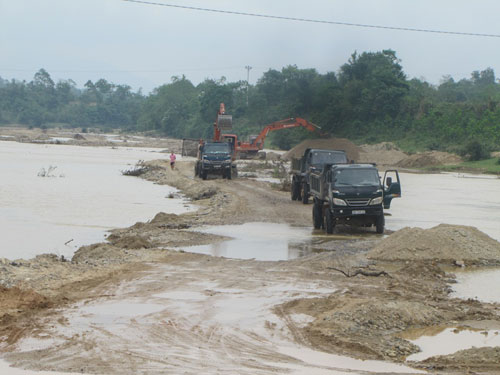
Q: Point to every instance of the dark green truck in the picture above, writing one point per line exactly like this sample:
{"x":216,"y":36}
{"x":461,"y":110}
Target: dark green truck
{"x":215,"y":158}
{"x":313,"y":160}
{"x":352,"y":194}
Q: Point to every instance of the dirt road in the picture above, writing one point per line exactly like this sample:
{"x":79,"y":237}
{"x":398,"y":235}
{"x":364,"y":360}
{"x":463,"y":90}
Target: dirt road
{"x":133,"y":306}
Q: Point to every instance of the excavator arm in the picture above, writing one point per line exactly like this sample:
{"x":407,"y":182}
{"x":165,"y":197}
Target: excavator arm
{"x":286,"y":124}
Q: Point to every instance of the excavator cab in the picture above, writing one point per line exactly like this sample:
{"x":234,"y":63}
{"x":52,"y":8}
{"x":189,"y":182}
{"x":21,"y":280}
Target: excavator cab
{"x":232,"y":139}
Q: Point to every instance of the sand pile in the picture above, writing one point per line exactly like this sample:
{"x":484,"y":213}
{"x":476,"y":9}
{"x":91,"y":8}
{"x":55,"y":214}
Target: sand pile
{"x":444,"y":242}
{"x":15,"y":298}
{"x":385,"y":153}
{"x":130,"y":242}
{"x":343,"y":144}
{"x":429,"y":158}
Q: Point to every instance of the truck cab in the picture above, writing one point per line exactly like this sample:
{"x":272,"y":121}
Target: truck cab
{"x":352,"y":194}
{"x":214,"y":158}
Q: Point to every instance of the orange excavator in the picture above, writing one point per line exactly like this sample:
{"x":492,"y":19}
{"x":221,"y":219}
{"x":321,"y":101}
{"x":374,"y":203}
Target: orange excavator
{"x":256,"y":143}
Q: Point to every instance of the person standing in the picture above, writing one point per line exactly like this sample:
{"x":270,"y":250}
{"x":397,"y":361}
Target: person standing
{"x":172,"y":160}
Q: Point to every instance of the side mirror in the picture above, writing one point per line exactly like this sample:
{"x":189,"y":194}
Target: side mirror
{"x":388,"y":181}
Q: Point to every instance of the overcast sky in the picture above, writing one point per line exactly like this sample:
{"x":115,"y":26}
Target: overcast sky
{"x":145,"y":45}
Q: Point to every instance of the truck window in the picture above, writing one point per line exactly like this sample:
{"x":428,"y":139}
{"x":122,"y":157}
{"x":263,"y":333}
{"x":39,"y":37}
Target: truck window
{"x":356,"y":177}
{"x":217,"y":147}
{"x":321,"y":158}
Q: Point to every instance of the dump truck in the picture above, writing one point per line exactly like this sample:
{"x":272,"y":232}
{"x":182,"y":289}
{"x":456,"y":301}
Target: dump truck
{"x":215,"y":158}
{"x":313,"y":159}
{"x":352,"y":194}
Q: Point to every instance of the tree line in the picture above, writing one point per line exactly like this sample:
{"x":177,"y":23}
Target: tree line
{"x":369,"y":99}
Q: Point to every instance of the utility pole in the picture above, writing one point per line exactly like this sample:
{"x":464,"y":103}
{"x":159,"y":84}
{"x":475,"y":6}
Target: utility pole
{"x":248,"y":67}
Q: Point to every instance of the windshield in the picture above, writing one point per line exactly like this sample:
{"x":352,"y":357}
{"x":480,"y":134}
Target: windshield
{"x":325,"y":157}
{"x":217,"y":147}
{"x":356,"y":177}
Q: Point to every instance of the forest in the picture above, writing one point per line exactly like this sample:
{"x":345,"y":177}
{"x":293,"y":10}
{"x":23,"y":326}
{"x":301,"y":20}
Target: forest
{"x":369,"y":99}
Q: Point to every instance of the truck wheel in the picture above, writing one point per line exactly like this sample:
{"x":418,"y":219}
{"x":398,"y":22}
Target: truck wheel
{"x":380,"y":224}
{"x":196,"y":170}
{"x":305,"y":194}
{"x":330,"y":222}
{"x":317,"y":216}
{"x":294,"y":190}
{"x":204,"y":175}
{"x":228,"y":173}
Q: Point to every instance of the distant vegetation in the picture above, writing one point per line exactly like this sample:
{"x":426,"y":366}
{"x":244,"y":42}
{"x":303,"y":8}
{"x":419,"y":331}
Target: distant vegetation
{"x":369,"y":99}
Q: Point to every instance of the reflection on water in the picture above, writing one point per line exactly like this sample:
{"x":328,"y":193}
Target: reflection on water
{"x":481,"y":285}
{"x":261,"y":241}
{"x":451,"y":340}
{"x":87,"y":196}
{"x":429,"y":200}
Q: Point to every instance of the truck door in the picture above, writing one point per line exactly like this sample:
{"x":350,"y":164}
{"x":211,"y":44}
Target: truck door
{"x":391,"y":186}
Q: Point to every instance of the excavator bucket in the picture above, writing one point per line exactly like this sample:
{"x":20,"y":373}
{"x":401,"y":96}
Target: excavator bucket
{"x":225,"y":122}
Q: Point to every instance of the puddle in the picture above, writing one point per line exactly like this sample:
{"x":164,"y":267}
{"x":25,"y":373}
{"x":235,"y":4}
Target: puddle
{"x":182,"y":296}
{"x":87,"y":196}
{"x":337,"y":362}
{"x":451,"y":340}
{"x":271,"y":180}
{"x":113,"y":315}
{"x":124,"y":309}
{"x":477,"y":285}
{"x":261,"y":241}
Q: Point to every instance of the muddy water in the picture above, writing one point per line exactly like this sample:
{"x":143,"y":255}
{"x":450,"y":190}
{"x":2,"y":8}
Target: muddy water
{"x":85,"y":196}
{"x":429,"y":200}
{"x":5,"y":369}
{"x":451,"y":340}
{"x":261,"y":241}
{"x":481,"y":285}
{"x":187,"y":319}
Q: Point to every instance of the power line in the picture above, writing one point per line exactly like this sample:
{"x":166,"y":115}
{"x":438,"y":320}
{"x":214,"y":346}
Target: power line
{"x":171,"y":70}
{"x":314,"y":20}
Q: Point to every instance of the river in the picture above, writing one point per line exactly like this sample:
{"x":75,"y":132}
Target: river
{"x":85,"y":196}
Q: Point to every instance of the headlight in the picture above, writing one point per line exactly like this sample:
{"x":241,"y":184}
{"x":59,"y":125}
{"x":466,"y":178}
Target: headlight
{"x":339,"y":202}
{"x":375,"y":201}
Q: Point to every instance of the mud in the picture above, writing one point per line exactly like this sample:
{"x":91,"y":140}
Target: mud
{"x":382,"y":154}
{"x":343,"y":144}
{"x":355,"y":295}
{"x":94,"y":137}
{"x":429,"y":158}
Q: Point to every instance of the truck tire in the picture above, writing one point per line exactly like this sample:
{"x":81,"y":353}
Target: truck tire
{"x":228,"y":173}
{"x":294,"y":190}
{"x":204,"y":174}
{"x":380,"y":224}
{"x":196,"y":170}
{"x":330,"y":221}
{"x":305,"y":194}
{"x":317,"y":213}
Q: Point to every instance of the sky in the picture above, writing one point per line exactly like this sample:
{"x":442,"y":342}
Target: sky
{"x":144,"y":46}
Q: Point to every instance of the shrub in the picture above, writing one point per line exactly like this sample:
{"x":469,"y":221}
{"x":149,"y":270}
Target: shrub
{"x":475,"y":150}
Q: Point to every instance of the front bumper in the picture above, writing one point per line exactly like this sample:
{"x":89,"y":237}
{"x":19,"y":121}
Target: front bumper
{"x":216,"y":166}
{"x":351,"y":212}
